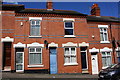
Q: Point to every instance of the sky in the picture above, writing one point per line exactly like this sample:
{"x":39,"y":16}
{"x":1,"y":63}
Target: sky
{"x":107,"y":8}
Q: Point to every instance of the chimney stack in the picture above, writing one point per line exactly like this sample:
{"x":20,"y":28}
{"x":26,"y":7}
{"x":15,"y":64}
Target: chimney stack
{"x":49,"y":5}
{"x":95,"y":10}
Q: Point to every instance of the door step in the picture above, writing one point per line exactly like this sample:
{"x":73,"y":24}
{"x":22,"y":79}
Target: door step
{"x":7,"y":68}
{"x":85,"y":72}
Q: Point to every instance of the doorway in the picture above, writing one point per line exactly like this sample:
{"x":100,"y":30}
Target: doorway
{"x":6,"y":56}
{"x":53,"y":60}
{"x":94,"y":60}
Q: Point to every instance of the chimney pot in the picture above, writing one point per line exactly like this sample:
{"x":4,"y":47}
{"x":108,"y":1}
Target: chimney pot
{"x":49,"y":4}
{"x":95,"y":10}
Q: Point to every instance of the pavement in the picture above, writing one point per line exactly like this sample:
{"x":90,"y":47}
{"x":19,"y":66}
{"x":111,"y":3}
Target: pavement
{"x":37,"y":76}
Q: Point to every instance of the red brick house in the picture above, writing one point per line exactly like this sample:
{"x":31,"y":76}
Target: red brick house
{"x":58,"y":41}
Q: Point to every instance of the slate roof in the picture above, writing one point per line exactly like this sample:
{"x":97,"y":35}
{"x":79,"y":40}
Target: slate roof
{"x":54,"y":11}
{"x":103,"y":19}
{"x":21,"y":9}
{"x":14,"y":7}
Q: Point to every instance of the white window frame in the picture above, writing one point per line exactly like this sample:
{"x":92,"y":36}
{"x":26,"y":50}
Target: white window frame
{"x":35,"y":18}
{"x":86,"y":58}
{"x":71,"y":63}
{"x":103,"y":27}
{"x":69,"y":20}
{"x":118,"y":56}
{"x":35,"y":65}
{"x":118,"y":51}
{"x":106,"y":57}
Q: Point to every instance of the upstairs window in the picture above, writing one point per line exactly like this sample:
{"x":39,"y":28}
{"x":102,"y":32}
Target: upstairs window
{"x":69,"y":29}
{"x":103,"y":33}
{"x":35,"y":26}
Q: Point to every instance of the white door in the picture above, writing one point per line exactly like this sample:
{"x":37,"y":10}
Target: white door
{"x":94,"y":64}
{"x":19,"y":61}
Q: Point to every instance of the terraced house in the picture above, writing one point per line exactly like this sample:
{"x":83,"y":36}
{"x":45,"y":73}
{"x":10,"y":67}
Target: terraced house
{"x":58,"y":41}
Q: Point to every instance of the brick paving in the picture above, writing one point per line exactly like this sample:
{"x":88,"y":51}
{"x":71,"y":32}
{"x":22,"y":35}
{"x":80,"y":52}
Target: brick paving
{"x":10,"y":76}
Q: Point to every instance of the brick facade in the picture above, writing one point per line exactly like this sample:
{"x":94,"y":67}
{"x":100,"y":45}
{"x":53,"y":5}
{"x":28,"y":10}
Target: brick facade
{"x":16,"y":26}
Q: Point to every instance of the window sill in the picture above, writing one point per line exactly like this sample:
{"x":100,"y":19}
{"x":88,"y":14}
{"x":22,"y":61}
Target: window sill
{"x":105,"y":42}
{"x":70,"y":36}
{"x":70,"y":64}
{"x":35,"y":36}
{"x":35,"y":65}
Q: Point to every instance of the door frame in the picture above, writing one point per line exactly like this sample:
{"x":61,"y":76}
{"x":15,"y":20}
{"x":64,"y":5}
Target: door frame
{"x":22,"y":63}
{"x":56,"y":59}
{"x":95,"y":54}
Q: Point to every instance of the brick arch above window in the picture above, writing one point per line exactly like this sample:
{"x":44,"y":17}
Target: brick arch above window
{"x":35,"y":44}
{"x":52,"y":44}
{"x":69,"y":44}
{"x":19,"y":44}
{"x":106,"y":49}
{"x":83,"y":44}
{"x":94,"y":50}
{"x":7,"y":39}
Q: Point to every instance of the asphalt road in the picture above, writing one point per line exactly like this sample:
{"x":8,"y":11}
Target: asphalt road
{"x":36,"y":76}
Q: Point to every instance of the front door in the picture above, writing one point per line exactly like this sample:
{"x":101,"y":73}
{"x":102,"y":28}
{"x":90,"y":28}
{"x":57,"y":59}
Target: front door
{"x":7,"y":56}
{"x":19,"y":61}
{"x":94,"y":60}
{"x":53,"y":61}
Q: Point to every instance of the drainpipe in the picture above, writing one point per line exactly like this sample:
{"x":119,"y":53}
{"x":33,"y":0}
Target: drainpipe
{"x":113,"y":44}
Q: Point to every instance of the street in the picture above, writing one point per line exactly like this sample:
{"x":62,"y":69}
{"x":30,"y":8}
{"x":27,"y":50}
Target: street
{"x":36,"y":76}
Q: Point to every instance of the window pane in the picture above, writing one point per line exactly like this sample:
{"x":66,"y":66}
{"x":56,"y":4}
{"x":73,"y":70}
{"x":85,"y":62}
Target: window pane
{"x":105,"y":35}
{"x":66,"y":50}
{"x":101,"y":36}
{"x":118,"y":59}
{"x":108,"y":61}
{"x":108,"y":53}
{"x":73,"y":59}
{"x":68,"y":31}
{"x":103,"y":54}
{"x":35,"y":31}
{"x":32,"y":49}
{"x":105,"y":29}
{"x":83,"y":48}
{"x":38,"y":49}
{"x":19,"y":67}
{"x":37,"y":22}
{"x":67,"y":59}
{"x":35,"y":58}
{"x":101,"y":29}
{"x":68,"y":25}
{"x":118,"y":53}
{"x":32,"y":22}
{"x":104,"y":61}
{"x":72,"y":50}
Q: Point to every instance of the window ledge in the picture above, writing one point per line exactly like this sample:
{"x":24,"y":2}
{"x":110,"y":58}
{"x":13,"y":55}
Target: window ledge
{"x":35,"y":65}
{"x":104,"y":41}
{"x":35,"y":36}
{"x":70,"y":36}
{"x":68,"y":64}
